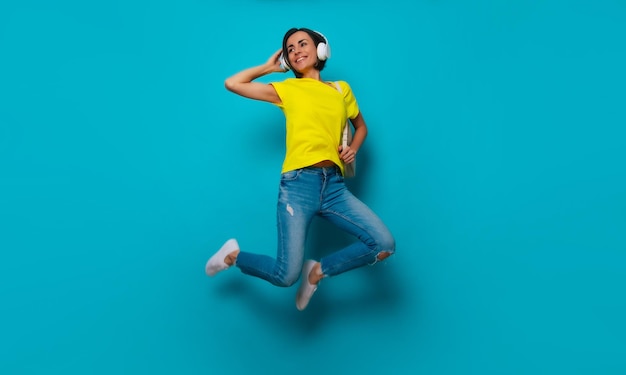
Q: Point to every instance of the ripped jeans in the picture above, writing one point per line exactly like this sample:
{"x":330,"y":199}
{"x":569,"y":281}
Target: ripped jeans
{"x":306,"y":193}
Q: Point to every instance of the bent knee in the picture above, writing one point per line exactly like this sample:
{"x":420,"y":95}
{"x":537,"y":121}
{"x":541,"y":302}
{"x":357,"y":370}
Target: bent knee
{"x":387,"y":245}
{"x":286,"y":281}
{"x":387,"y":248}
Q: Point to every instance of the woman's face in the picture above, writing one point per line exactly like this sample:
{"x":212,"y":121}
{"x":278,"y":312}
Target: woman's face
{"x":301,"y":51}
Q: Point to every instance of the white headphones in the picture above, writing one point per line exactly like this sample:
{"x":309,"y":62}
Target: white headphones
{"x":323,"y":52}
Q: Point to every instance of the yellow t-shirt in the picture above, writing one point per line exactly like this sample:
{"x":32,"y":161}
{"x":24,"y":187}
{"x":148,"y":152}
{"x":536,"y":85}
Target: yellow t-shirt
{"x":315,"y":114}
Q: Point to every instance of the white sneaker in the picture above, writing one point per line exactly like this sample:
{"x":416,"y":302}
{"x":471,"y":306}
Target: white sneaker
{"x":306,"y":289}
{"x":216,"y":262}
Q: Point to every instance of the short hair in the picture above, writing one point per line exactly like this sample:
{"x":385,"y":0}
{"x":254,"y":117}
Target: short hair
{"x":317,"y":39}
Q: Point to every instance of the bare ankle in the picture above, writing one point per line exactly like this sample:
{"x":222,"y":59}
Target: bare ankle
{"x":231,"y":258}
{"x":316,"y":274}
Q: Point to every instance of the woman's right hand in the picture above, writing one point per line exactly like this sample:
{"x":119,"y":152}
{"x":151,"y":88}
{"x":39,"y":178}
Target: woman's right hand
{"x":274,"y":62}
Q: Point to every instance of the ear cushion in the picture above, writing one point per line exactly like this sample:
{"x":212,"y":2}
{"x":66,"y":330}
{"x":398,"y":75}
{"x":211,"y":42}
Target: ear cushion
{"x":323,"y":48}
{"x":283,"y":62}
{"x":323,"y":51}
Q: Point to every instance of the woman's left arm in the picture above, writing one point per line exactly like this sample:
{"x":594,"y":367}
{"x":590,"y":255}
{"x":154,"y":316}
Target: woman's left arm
{"x":360,"y":132}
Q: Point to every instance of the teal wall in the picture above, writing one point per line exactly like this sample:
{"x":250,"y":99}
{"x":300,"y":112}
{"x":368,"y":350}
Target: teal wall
{"x":496,"y":156}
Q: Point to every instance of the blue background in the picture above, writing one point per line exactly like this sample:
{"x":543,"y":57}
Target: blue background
{"x":495,"y":155}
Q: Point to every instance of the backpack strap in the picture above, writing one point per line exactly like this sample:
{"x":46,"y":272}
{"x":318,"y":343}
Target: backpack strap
{"x":346,"y":128}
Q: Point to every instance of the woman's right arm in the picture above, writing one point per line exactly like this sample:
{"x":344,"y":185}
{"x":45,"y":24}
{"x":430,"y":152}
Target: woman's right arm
{"x":242,"y":82}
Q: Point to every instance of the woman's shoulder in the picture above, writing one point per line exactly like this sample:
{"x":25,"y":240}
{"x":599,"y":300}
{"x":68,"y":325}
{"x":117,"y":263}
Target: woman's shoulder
{"x":285,"y":81}
{"x":345,"y":86}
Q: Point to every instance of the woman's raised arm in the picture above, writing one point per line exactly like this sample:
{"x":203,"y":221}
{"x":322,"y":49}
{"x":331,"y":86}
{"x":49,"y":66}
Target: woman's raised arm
{"x":242,"y":83}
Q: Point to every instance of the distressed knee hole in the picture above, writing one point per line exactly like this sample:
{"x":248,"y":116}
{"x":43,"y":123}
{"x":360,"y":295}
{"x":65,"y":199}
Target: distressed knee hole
{"x":383,"y":255}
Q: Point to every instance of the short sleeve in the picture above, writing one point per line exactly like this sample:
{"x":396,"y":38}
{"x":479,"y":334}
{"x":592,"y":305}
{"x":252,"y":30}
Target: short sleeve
{"x":352,"y":107}
{"x":281,"y":89}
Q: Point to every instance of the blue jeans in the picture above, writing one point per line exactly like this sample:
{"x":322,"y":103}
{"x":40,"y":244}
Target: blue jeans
{"x":306,"y":193}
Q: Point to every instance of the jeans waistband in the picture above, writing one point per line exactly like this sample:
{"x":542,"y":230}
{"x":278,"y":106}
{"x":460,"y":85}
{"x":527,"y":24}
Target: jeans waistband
{"x":323,"y":170}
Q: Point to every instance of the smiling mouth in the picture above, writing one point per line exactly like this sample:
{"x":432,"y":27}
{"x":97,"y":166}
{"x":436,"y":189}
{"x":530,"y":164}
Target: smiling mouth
{"x":299,"y":59}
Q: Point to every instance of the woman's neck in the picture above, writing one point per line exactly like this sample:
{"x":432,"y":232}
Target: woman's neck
{"x":313,"y":74}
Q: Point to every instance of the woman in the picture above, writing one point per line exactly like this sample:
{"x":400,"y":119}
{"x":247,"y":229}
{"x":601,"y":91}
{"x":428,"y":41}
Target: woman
{"x":312,"y":181}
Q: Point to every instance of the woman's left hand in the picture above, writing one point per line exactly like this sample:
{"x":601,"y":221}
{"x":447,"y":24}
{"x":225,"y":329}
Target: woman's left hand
{"x":347,"y":154}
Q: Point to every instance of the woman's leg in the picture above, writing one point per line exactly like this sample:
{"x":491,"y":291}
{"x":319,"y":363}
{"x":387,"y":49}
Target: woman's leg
{"x":298,"y":202}
{"x":347,"y":212}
